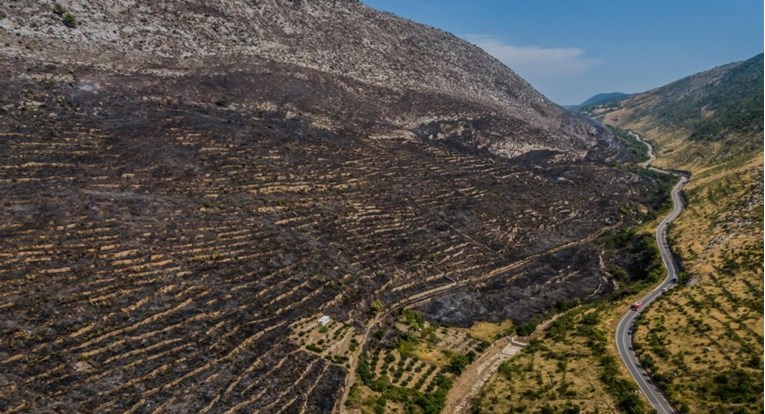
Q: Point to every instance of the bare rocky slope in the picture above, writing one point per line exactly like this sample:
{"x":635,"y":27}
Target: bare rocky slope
{"x":183,"y":182}
{"x":342,"y":38}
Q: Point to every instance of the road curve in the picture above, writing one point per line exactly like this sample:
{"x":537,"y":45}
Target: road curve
{"x":651,"y":156}
{"x":624,"y":327}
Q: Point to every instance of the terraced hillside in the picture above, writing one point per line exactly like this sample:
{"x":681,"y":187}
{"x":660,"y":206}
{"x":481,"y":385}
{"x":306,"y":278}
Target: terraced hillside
{"x":704,"y":342}
{"x":171,"y":228}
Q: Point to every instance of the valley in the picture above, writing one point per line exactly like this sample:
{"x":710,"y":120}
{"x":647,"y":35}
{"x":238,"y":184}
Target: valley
{"x":699,"y":343}
{"x":597,"y":382}
{"x":304,"y":206}
{"x":707,"y":336}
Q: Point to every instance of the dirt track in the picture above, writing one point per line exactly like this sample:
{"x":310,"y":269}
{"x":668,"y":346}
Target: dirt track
{"x":478,"y":373}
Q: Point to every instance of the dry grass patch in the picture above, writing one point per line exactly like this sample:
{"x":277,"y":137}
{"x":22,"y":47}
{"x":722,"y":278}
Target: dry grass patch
{"x":703,"y":342}
{"x":488,"y":331}
{"x":571,"y":368}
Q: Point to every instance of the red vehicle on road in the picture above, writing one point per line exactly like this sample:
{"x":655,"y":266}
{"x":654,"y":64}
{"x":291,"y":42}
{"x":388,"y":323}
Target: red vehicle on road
{"x":636,"y":306}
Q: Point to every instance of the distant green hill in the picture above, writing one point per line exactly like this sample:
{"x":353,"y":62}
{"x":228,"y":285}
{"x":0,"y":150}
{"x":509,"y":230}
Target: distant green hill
{"x":599,"y":99}
{"x":603,"y":98}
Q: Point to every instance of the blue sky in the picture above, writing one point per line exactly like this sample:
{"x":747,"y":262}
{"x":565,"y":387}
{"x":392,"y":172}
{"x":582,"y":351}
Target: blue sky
{"x":572,"y":49}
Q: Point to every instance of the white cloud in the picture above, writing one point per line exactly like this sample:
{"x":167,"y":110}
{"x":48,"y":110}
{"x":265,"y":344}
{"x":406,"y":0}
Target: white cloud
{"x":533,"y":62}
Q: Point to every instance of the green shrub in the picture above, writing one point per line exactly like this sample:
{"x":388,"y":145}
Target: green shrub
{"x":470,"y":356}
{"x":378,"y":334}
{"x":527,"y":328}
{"x":572,"y":409}
{"x":380,"y":405}
{"x":547,"y":410}
{"x":632,"y":404}
{"x":69,"y":20}
{"x":314,"y":348}
{"x":507,"y":370}
{"x":737,"y":386}
{"x":458,"y":363}
{"x":389,"y":358}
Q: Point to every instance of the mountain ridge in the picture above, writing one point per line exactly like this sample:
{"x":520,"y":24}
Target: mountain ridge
{"x":717,"y":108}
{"x":373,"y":47}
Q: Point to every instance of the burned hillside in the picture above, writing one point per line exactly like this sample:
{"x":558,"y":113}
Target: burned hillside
{"x":163,"y":225}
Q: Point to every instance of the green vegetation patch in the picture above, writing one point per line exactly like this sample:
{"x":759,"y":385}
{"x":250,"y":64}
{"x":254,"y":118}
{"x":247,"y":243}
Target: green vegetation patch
{"x":430,"y":401}
{"x":69,"y":20}
{"x":637,"y":150}
{"x":545,"y":377}
{"x":633,"y":257}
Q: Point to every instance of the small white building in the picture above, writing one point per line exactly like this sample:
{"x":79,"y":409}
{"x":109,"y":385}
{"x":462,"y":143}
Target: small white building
{"x":324,"y":320}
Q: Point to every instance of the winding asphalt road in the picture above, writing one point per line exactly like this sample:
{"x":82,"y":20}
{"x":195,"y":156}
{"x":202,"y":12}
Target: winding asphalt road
{"x":624,"y":328}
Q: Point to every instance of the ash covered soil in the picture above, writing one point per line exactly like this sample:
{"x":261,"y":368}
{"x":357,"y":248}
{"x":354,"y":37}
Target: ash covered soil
{"x":161,"y":229}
